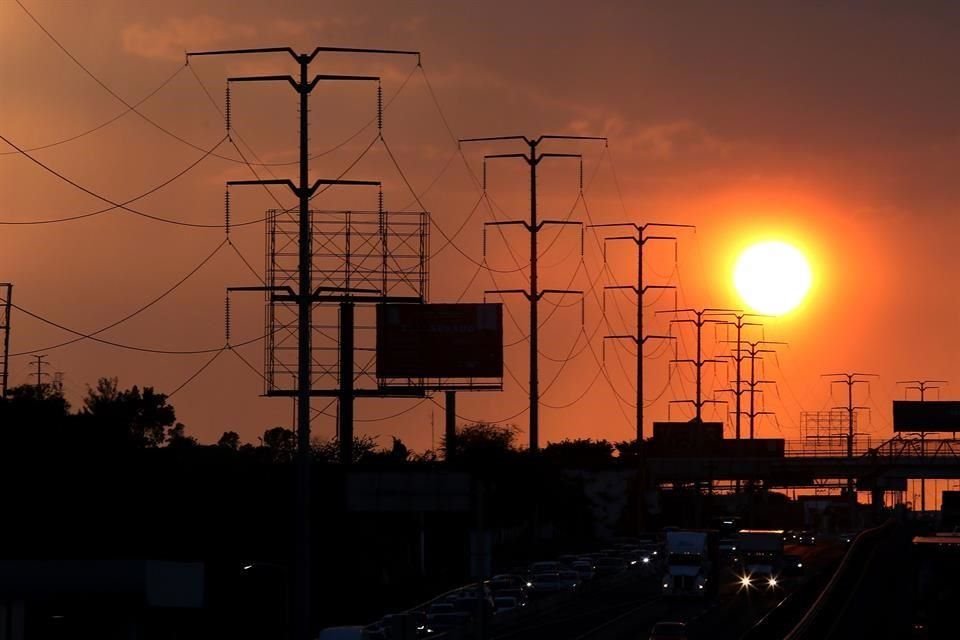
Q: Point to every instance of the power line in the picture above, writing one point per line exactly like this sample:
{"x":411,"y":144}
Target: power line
{"x":141,"y":309}
{"x":106,"y":123}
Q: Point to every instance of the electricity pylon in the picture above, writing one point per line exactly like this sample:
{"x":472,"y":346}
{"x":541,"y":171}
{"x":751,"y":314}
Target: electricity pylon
{"x":702,"y":318}
{"x":752,"y":352}
{"x":922,"y":386}
{"x":305,"y":297}
{"x":850,"y":379}
{"x":640,"y":240}
{"x":739,"y":322}
{"x":533,"y":227}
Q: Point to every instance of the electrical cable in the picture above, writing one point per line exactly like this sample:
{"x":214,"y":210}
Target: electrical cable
{"x":90,"y":336}
{"x":195,"y":374}
{"x":117,"y":205}
{"x":137,"y":311}
{"x":72,"y":138}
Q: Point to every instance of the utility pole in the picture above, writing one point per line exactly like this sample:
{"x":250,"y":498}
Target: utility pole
{"x":640,"y":290}
{"x":305,"y":297}
{"x":533,"y":227}
{"x":701,"y":318}
{"x":6,"y":305}
{"x":40,"y":362}
{"x":922,"y":386}
{"x":850,"y":379}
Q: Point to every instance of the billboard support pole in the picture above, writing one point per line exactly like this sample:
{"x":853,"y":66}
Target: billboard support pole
{"x":450,"y":426}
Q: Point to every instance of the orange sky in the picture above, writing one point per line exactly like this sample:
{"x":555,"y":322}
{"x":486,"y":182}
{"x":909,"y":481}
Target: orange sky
{"x":832,"y":127}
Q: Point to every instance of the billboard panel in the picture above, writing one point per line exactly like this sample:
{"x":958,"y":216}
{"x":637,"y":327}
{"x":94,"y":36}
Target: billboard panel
{"x":440,"y":340}
{"x":931,"y":415}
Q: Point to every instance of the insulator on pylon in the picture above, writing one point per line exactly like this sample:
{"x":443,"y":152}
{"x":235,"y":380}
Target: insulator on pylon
{"x":379,"y":106}
{"x":226,"y":318}
{"x":581,"y":175}
{"x":226,"y":211}
{"x":226,"y":111}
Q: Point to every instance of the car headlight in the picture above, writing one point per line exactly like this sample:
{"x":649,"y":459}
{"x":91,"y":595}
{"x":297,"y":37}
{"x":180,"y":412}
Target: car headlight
{"x":666,"y":585}
{"x":646,"y":560}
{"x":745,"y":581}
{"x":529,"y":584}
{"x":772,"y":582}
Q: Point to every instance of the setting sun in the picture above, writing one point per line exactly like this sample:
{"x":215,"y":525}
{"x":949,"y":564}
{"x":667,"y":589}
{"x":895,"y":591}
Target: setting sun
{"x":772,"y":277}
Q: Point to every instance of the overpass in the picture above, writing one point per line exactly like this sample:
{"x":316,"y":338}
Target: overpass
{"x":894,"y":460}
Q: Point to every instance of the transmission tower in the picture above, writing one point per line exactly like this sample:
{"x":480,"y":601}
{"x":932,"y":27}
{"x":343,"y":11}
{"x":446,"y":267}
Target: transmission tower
{"x":922,"y":386}
{"x":640,"y":240}
{"x":6,"y":303}
{"x":850,"y":379}
{"x":739,"y":322}
{"x":752,"y":352}
{"x":305,"y":296}
{"x":40,"y":361}
{"x":700,"y":318}
{"x":533,"y":227}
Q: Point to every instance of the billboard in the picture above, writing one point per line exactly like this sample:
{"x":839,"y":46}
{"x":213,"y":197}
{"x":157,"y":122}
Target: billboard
{"x":931,"y":415}
{"x":440,"y":341}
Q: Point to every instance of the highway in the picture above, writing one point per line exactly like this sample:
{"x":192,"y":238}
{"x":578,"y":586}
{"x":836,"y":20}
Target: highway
{"x":627,"y":610}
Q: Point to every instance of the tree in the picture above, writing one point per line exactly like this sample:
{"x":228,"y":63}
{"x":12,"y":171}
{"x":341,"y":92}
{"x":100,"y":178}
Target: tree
{"x":281,"y":442}
{"x":364,"y":447}
{"x":579,"y":453}
{"x":178,"y":439}
{"x":482,"y":440}
{"x":132,"y":417}
{"x":229,"y":440}
{"x":34,"y":416}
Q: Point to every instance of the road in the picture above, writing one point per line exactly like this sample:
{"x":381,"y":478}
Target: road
{"x":628,"y":610}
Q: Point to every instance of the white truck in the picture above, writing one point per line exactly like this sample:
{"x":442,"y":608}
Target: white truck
{"x":760,"y":557}
{"x":691,"y":563}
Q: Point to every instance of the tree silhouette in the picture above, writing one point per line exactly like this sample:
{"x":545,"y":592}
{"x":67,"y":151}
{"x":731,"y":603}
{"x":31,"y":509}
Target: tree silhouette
{"x":229,"y":440}
{"x":579,"y":453}
{"x":131,"y":417}
{"x":34,"y":417}
{"x":280,"y":442}
{"x":178,"y":439}
{"x":482,"y":441}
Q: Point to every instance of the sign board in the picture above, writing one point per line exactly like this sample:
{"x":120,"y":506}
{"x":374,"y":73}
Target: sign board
{"x":931,"y":415}
{"x":408,"y":491}
{"x":439,"y":341}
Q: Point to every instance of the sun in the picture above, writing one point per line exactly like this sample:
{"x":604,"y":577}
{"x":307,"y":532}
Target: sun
{"x":772,"y":277}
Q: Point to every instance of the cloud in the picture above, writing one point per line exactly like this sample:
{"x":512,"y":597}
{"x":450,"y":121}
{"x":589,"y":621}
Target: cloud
{"x":662,"y":140}
{"x":169,"y":40}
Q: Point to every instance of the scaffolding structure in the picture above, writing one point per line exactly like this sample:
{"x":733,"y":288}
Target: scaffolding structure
{"x":374,"y":255}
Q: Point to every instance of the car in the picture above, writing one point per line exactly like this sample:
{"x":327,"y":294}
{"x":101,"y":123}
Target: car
{"x":791,"y":537}
{"x":609,"y":566}
{"x":508,"y":580}
{"x":569,"y":580}
{"x":546,"y":582}
{"x":728,"y":546}
{"x":808,"y":538}
{"x":438,"y":608}
{"x":584,"y":569}
{"x":503,"y":604}
{"x":519,"y":594}
{"x":847,"y":537}
{"x":669,"y":631}
{"x":344,"y":633}
{"x":444,"y":622}
{"x":567,"y":559}
{"x":545,"y":566}
{"x":792,"y":565}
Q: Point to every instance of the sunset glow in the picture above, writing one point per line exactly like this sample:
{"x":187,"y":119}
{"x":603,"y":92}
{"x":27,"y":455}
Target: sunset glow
{"x":772,"y":277}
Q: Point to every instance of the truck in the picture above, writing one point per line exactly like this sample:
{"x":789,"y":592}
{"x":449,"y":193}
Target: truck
{"x":691,"y":563}
{"x":759,"y":557}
